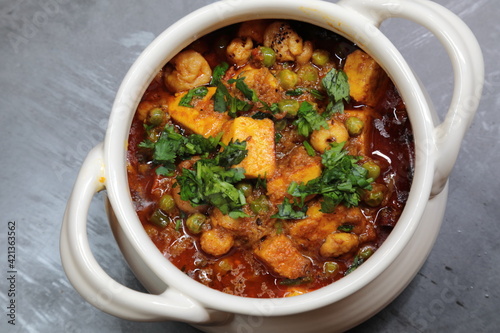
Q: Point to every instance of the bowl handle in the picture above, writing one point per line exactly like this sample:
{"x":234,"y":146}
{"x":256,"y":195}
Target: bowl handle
{"x":93,"y":283}
{"x":467,"y":63}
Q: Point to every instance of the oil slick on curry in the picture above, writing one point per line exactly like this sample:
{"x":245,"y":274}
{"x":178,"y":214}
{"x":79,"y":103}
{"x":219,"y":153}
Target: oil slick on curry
{"x":270,"y":158}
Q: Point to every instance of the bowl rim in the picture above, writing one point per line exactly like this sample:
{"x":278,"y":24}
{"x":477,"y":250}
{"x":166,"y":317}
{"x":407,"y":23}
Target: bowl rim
{"x":334,"y":17}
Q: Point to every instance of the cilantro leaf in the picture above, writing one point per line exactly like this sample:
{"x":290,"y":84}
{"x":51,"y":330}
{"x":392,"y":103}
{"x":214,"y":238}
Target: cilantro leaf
{"x":198,"y":92}
{"x":172,"y":146}
{"x":297,"y":281}
{"x":286,"y":211}
{"x":277,"y":137}
{"x":262,"y":115}
{"x":309,"y":119}
{"x":240,"y":84}
{"x":317,"y":94}
{"x":336,"y":85}
{"x":212,"y":181}
{"x":213,"y":185}
{"x":309,"y":149}
{"x":341,"y":181}
{"x":345,"y":228}
{"x":232,"y":154}
{"x":355,"y":264}
{"x":261,"y":182}
{"x":218,"y":72}
{"x":295,"y":92}
{"x":225,"y":102}
{"x":299,"y":91}
{"x":337,"y":88}
{"x":251,"y":94}
{"x":197,"y":144}
{"x":236,"y":105}
{"x":219,"y":98}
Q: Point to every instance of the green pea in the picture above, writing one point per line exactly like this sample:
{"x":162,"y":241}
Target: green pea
{"x":246,"y":188}
{"x":268,"y":55}
{"x":159,"y":218}
{"x":330,"y":267}
{"x":260,"y":205}
{"x":320,"y":57}
{"x":225,"y":265}
{"x":287,"y":78}
{"x":373,"y":169}
{"x":290,"y":106}
{"x":195,"y":222}
{"x":166,"y":203}
{"x":156,"y":116}
{"x":280,"y":124}
{"x":354,"y":126}
{"x":365,"y":253}
{"x":154,"y":134}
{"x":373,"y":198}
{"x":308,"y":73}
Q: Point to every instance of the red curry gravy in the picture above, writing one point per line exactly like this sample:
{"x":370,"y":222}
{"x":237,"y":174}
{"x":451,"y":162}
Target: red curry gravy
{"x":255,"y":253}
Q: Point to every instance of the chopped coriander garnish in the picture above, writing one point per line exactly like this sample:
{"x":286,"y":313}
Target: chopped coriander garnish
{"x":172,"y":145}
{"x":232,"y":154}
{"x":337,"y":88}
{"x":240,"y":84}
{"x":198,"y":92}
{"x":218,"y":72}
{"x":294,"y":282}
{"x":300,"y":91}
{"x":286,"y":211}
{"x":277,"y":137}
{"x":295,"y":92}
{"x":355,"y":264}
{"x":213,"y":185}
{"x":262,"y":115}
{"x":345,"y":227}
{"x":317,"y":94}
{"x":309,"y":119}
{"x":225,"y":102}
{"x":309,"y":149}
{"x":212,"y":181}
{"x":219,"y":98}
{"x":336,"y":85}
{"x":164,"y":171}
{"x":251,"y":95}
{"x":341,"y":181}
{"x":261,"y":183}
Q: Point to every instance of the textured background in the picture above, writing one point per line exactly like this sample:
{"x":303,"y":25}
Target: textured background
{"x":61,"y":63}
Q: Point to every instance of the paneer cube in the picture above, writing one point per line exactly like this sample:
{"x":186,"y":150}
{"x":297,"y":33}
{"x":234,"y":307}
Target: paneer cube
{"x":339,"y":243}
{"x":279,"y":253}
{"x":299,"y":168}
{"x":367,"y":80}
{"x":312,"y":231}
{"x":259,"y":135}
{"x":201,"y":118}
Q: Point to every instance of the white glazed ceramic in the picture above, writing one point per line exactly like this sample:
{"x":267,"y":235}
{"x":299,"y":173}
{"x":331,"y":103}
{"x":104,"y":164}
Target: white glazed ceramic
{"x":336,"y":307}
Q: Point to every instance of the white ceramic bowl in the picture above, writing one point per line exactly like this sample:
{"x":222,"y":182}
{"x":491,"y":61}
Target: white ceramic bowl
{"x":341,"y":305}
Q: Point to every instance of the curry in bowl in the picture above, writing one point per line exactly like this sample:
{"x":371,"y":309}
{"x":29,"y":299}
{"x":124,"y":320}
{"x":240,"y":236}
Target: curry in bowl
{"x":270,"y":158}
